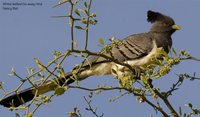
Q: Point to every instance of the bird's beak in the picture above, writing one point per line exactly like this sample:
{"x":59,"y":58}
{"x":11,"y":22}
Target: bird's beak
{"x":176,"y":27}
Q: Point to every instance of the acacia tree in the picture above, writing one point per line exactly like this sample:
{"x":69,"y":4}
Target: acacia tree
{"x":80,"y":19}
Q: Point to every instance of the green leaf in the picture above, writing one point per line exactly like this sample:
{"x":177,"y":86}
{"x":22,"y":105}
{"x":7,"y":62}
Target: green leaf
{"x":77,"y":12}
{"x":93,"y":22}
{"x":173,"y":50}
{"x":85,"y":4}
{"x":56,"y":54}
{"x":29,"y":115}
{"x":62,"y":70}
{"x":120,"y":83}
{"x":180,"y":111}
{"x":84,"y":20}
{"x":144,"y":79}
{"x":79,"y":27}
{"x":17,"y":115}
{"x":59,"y":91}
{"x":101,"y":41}
{"x":76,"y":1}
{"x":190,"y":105}
{"x":156,"y":76}
{"x":61,"y":74}
{"x":86,"y":12}
{"x":1,"y":85}
{"x":83,"y":11}
{"x":40,"y":64}
{"x":94,"y":15}
{"x":70,"y":22}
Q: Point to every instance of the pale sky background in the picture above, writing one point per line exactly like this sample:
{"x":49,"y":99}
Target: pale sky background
{"x":31,"y":32}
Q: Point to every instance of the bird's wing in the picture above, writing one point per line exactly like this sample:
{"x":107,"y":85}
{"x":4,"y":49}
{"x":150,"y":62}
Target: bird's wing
{"x":132,"y":47}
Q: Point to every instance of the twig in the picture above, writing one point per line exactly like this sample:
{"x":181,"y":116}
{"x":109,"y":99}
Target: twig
{"x":166,"y":101}
{"x":191,"y":77}
{"x":87,"y":25}
{"x":156,"y":107}
{"x":106,"y":89}
{"x":71,"y":24}
{"x":190,"y":58}
{"x":90,"y":107}
{"x":174,"y":86}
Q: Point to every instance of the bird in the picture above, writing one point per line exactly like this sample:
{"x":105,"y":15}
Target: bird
{"x":135,"y":50}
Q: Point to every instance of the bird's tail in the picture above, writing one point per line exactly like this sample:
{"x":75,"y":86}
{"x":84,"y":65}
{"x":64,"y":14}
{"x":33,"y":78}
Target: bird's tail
{"x":27,"y":95}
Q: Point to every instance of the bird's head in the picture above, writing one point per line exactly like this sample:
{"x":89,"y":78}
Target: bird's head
{"x":161,"y":23}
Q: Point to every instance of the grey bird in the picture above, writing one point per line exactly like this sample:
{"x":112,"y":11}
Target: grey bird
{"x":135,"y":50}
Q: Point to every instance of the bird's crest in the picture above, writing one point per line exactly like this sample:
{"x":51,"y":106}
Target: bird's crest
{"x":156,"y":16}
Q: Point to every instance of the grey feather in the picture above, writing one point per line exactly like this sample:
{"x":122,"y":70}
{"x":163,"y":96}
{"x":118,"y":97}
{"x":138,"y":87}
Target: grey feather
{"x":132,"y":47}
